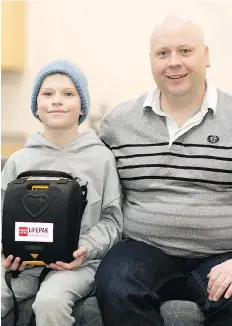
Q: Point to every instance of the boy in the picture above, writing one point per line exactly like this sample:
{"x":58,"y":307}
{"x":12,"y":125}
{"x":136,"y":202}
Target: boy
{"x":60,"y":100}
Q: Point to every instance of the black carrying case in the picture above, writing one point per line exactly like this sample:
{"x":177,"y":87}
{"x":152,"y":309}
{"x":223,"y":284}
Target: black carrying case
{"x":43,"y":196}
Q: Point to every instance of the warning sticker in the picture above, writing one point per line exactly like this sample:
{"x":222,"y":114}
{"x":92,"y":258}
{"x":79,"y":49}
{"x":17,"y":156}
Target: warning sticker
{"x":34,"y":232}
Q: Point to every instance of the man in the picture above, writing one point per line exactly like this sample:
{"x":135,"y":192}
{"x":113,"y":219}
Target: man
{"x":173,"y":148}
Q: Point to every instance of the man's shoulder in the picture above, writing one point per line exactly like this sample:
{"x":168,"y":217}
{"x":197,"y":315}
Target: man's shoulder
{"x":225,"y":95}
{"x":224,"y":107}
{"x":127,"y":107}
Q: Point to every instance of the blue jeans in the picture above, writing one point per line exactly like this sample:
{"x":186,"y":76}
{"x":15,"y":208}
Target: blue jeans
{"x":134,"y":278}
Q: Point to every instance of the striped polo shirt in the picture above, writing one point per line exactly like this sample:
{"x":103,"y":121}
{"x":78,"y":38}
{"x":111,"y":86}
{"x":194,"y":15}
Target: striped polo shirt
{"x":209,"y":103}
{"x":178,"y":195}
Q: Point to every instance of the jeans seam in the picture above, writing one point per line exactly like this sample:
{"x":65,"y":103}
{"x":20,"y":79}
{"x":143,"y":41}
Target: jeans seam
{"x":206,"y":306}
{"x":166,"y":279}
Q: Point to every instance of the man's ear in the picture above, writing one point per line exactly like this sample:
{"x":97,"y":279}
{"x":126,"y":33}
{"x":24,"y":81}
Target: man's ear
{"x":81,"y":113}
{"x":207,"y":57}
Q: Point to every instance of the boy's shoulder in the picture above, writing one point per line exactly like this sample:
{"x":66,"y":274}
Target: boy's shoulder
{"x":97,"y":147}
{"x":18,"y":155}
{"x":92,"y":144}
{"x":10,"y":169}
{"x":105,"y":153}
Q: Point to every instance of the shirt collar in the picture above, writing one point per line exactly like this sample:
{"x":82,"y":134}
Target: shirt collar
{"x":209,"y":102}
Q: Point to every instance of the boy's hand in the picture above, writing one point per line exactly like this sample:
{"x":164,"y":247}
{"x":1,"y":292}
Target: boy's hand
{"x":12,"y":263}
{"x":79,"y":256}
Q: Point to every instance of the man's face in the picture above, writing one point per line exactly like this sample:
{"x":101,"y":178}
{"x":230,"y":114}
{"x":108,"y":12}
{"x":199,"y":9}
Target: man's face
{"x":58,"y":102}
{"x":178,"y":59}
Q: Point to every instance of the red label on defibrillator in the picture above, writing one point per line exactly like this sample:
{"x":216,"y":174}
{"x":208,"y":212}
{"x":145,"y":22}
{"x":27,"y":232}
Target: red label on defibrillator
{"x":23,"y":231}
{"x":34,"y":232}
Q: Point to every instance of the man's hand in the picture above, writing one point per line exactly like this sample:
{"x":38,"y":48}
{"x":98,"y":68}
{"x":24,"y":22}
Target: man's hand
{"x":220,"y":281}
{"x":79,"y":256}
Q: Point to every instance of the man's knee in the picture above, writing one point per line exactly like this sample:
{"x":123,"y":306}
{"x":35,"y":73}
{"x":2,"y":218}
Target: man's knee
{"x":112,"y":279}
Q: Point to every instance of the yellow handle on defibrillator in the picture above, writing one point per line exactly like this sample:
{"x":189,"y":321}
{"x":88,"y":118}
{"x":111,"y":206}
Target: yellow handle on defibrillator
{"x":39,"y":187}
{"x":35,"y":262}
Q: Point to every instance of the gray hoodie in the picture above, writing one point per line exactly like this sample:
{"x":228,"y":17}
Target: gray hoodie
{"x":88,"y":159}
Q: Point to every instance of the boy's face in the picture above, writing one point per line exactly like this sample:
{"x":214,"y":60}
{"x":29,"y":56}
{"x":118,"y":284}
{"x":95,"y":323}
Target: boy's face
{"x":58,"y":102}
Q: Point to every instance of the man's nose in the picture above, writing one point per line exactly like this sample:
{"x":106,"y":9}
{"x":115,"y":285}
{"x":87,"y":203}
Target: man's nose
{"x":174,"y":60}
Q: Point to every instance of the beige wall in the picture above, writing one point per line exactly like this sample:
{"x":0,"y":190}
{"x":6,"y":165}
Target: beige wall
{"x":109,"y":40}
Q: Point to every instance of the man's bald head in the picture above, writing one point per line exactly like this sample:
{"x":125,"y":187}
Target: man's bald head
{"x":179,"y":57}
{"x":174,"y":23}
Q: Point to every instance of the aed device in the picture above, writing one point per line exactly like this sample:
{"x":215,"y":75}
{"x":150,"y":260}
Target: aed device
{"x":42,"y":213}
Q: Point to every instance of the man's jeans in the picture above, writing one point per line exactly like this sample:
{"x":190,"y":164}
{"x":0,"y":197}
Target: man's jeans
{"x":134,"y":278}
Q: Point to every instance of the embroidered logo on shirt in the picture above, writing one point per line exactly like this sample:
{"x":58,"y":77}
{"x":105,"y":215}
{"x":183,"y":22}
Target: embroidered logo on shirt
{"x":213,"y":139}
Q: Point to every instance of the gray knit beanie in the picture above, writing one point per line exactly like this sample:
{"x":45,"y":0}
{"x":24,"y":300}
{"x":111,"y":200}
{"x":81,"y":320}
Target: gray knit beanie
{"x":72,"y":71}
